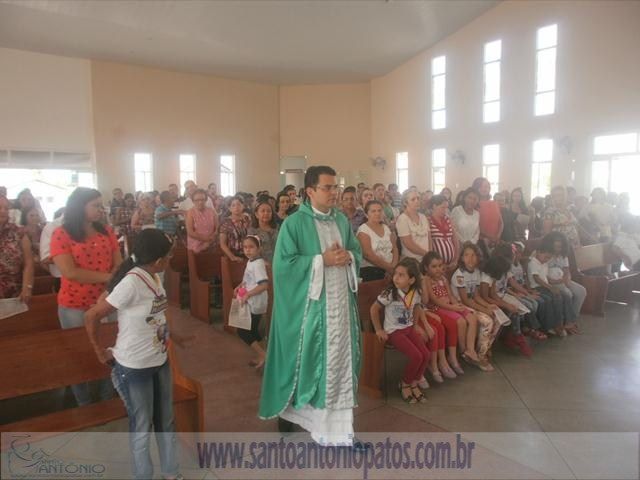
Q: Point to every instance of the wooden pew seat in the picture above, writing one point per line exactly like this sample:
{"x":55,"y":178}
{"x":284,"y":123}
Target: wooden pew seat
{"x":43,"y":361}
{"x":372,"y":371}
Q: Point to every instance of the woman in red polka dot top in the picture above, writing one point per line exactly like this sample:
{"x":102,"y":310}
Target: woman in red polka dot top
{"x":86,"y":252}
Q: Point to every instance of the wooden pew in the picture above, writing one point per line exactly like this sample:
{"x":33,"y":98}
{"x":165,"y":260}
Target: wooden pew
{"x":43,"y":285}
{"x":41,"y":316}
{"x":203,"y":267}
{"x":178,"y":266}
{"x":38,"y":362}
{"x":372,"y":371}
{"x":589,"y":267}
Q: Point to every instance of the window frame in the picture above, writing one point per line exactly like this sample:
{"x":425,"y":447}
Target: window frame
{"x":542,"y":92}
{"x":148,"y":174}
{"x":436,"y":113}
{"x":186,"y":175}
{"x":228,"y":177}
{"x":402,"y":169}
{"x":489,"y":165}
{"x":438,"y":166}
{"x":488,"y":63}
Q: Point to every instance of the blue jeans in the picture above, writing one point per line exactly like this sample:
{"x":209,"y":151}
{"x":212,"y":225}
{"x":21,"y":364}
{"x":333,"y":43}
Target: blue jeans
{"x":551,"y":314}
{"x":74,"y":318}
{"x":147,"y":394}
{"x":533,"y":305}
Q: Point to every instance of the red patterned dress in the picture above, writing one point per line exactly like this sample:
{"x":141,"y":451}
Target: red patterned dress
{"x":11,"y":260}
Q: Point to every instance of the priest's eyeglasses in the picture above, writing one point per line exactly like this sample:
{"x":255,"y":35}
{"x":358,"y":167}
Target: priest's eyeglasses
{"x":328,"y":188}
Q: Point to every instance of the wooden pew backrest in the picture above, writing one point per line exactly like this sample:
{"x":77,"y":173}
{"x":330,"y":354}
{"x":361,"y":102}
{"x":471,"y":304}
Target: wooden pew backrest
{"x":41,"y":316}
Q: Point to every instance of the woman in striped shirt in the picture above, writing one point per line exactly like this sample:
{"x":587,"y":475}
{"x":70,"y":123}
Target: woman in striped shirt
{"x":443,"y":238}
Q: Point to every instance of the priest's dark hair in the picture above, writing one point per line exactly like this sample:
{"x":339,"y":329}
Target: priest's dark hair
{"x":312,"y":177}
{"x":151,"y":245}
{"x":74,"y":215}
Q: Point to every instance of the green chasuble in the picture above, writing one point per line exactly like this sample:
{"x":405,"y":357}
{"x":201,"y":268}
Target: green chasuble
{"x":296,"y":366}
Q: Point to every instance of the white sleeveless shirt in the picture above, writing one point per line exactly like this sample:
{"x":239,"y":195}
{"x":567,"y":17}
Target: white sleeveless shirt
{"x":381,"y":245}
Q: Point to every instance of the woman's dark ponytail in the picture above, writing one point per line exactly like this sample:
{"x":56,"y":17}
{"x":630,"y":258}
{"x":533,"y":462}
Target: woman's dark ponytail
{"x":151,"y":244}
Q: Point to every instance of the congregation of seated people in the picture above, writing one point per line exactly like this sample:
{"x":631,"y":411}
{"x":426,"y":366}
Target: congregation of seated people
{"x":460,"y":264}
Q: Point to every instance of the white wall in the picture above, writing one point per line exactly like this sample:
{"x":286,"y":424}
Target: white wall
{"x":45,"y":102}
{"x":598,"y":91}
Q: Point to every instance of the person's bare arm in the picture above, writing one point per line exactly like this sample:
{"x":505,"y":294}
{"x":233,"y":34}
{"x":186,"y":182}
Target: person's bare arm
{"x":412,"y":246}
{"x":92,"y":324}
{"x":376,"y":312}
{"x":69,"y":270}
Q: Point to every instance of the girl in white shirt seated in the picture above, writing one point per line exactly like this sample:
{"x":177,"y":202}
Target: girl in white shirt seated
{"x":140,"y":368}
{"x":559,"y":276}
{"x":400,"y":303}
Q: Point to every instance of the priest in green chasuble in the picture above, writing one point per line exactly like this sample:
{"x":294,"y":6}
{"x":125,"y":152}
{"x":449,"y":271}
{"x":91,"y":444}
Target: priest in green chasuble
{"x":313,"y":359}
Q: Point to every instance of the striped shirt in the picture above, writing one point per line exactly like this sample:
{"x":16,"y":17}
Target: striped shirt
{"x":442,"y":238}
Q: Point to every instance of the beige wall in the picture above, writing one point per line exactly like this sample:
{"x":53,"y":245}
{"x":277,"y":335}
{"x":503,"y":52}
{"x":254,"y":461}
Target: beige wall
{"x":45,"y":102}
{"x":138,"y":109}
{"x":330,"y":124}
{"x":598,"y":78}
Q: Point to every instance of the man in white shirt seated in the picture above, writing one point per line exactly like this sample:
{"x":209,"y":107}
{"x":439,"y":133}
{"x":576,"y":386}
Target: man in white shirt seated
{"x":190,"y":187}
{"x":45,"y":242}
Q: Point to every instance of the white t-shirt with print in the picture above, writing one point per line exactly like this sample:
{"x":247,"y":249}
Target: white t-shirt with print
{"x":419,"y":233}
{"x":501,"y":283}
{"x":397,"y":314}
{"x":517,"y":272}
{"x":470,"y":281}
{"x":142,"y":327}
{"x":556,"y":266}
{"x":255,"y":274}
{"x":537,"y":268}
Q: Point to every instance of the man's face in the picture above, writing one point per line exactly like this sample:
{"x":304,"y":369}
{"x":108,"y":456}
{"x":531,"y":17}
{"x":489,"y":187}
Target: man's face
{"x":117,"y":194}
{"x":292,"y":196}
{"x":324,"y":195}
{"x":173,"y":190}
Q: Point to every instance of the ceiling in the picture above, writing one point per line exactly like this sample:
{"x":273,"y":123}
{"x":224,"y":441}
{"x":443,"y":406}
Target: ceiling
{"x":283,"y":42}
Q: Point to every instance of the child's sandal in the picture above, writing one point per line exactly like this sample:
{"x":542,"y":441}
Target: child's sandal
{"x":407,"y":398}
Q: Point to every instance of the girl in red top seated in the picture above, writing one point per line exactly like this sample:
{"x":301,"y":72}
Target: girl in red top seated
{"x":87,"y":254}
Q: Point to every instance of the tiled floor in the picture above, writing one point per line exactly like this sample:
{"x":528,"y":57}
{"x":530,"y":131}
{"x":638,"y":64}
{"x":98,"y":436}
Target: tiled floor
{"x":584,"y":383}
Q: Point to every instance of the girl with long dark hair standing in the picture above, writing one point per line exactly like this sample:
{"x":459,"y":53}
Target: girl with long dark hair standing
{"x":140,"y":367}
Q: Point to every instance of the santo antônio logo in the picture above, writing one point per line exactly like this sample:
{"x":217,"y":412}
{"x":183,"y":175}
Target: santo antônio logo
{"x":24,"y":461}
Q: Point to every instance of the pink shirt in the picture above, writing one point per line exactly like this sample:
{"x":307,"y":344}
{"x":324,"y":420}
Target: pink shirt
{"x":204,"y":223}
